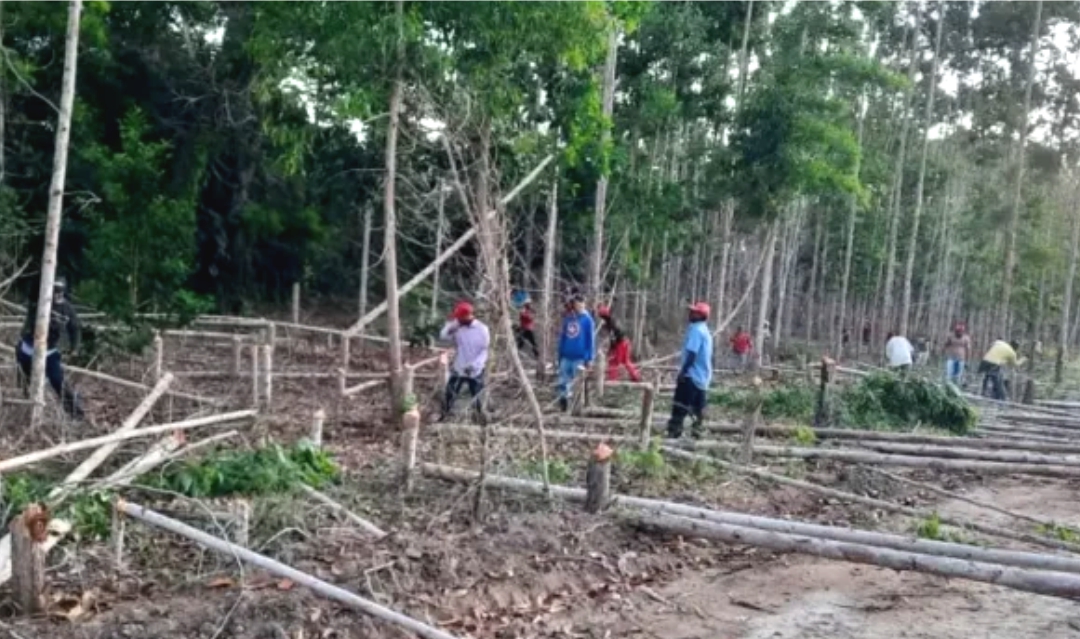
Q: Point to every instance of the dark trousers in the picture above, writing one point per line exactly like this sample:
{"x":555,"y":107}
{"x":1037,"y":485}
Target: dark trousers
{"x":992,"y":380}
{"x":54,"y":372}
{"x":689,"y":400}
{"x":527,"y":336}
{"x":453,"y":389}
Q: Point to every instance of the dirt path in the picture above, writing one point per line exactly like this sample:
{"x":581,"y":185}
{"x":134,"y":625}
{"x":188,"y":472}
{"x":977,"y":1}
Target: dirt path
{"x":798,"y":597}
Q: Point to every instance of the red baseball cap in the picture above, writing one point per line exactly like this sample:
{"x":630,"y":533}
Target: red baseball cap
{"x":603,"y":311}
{"x":701,"y":308}
{"x":462,"y":311}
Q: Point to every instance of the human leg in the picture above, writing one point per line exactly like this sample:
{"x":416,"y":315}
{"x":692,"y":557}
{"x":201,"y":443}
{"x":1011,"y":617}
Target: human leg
{"x":680,"y":407}
{"x":530,"y":338}
{"x":453,"y":388}
{"x":697,"y":399}
{"x":567,"y":372}
{"x":54,"y":371}
{"x":613,"y":364}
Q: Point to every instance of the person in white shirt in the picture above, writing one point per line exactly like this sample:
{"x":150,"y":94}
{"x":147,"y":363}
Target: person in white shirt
{"x":899,"y":352}
{"x":471,"y":340}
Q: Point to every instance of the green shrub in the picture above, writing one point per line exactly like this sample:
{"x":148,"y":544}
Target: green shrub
{"x":790,"y":402}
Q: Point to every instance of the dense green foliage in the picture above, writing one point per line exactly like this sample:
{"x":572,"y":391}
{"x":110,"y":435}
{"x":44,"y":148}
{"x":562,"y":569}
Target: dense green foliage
{"x":882,"y":401}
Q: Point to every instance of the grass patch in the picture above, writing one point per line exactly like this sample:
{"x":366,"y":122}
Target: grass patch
{"x":559,"y":472}
{"x":882,"y":401}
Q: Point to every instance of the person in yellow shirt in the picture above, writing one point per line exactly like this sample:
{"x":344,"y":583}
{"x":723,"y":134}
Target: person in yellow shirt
{"x":1000,"y":355}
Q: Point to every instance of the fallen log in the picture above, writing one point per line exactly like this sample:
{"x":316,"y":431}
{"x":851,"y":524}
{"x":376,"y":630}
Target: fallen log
{"x":447,"y":253}
{"x":319,"y":586}
{"x":362,"y":523}
{"x":954,"y":452}
{"x":359,"y":388}
{"x":1041,"y":582}
{"x":887,"y":506}
{"x":63,"y":449}
{"x":880,"y":540}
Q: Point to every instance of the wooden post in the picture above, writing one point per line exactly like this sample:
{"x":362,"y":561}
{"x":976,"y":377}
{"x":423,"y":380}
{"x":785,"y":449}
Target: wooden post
{"x":317,"y":427}
{"x":159,"y":356}
{"x":1029,"y":392}
{"x":410,"y":435}
{"x":240,"y":510}
{"x":255,"y":376}
{"x":296,"y":303}
{"x":28,"y":532}
{"x":117,"y":534}
{"x":271,"y":334}
{"x":346,"y":355}
{"x":238,"y":355}
{"x":648,"y":396}
{"x":408,"y":382}
{"x":268,"y":374}
{"x":343,"y":381}
{"x":598,"y":479}
{"x":821,"y":415}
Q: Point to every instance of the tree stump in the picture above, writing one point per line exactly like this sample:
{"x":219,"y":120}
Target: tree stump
{"x":159,"y":356}
{"x":410,"y":436}
{"x":821,"y":415}
{"x":28,"y":533}
{"x":750,"y":426}
{"x":317,"y":427}
{"x":1029,"y":392}
{"x":598,"y":479}
{"x":648,"y":397}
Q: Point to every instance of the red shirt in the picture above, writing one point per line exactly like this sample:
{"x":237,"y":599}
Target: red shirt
{"x":740,"y":343}
{"x":526,"y":319}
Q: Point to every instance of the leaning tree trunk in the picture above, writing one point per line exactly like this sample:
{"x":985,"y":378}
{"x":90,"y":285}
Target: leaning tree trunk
{"x":55,"y":211}
{"x":913,"y":239}
{"x":440,"y":230}
{"x":365,"y":259}
{"x":393,"y":312}
{"x":1018,"y":186}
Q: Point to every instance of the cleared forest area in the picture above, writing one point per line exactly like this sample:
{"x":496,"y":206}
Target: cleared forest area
{"x":262,"y":213}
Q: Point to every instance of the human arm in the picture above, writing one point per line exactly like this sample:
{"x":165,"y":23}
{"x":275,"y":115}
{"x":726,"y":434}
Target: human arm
{"x":448,"y":330}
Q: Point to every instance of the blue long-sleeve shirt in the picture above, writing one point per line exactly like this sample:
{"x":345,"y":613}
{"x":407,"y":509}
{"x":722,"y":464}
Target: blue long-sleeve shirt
{"x":576,"y":340}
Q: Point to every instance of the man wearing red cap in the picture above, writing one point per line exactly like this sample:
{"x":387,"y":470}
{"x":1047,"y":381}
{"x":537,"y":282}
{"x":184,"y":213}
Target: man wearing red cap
{"x":619,"y":349}
{"x":695,"y":374}
{"x":471,"y":340}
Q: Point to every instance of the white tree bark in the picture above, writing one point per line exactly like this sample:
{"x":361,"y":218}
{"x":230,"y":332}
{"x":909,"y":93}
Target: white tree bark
{"x":55,"y":212}
{"x":393,"y":317}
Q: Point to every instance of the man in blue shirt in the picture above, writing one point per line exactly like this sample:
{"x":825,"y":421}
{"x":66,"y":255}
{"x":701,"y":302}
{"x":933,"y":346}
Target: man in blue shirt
{"x":695,"y":374}
{"x":576,"y":348}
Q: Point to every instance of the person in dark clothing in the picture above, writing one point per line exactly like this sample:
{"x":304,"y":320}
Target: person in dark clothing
{"x":526,"y":330}
{"x":62,"y":321}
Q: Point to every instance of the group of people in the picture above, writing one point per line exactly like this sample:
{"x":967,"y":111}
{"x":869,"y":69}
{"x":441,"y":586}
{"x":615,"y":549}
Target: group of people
{"x":957,"y":349}
{"x":576,"y":352}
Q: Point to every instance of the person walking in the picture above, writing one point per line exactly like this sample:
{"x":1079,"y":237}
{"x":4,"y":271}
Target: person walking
{"x":1000,"y":355}
{"x":741,"y":345}
{"x":472,"y":341}
{"x":62,"y":321}
{"x":957,"y":351}
{"x":899,"y":353}
{"x":618,"y":349}
{"x":526,"y":329}
{"x":576,"y":347}
{"x":695,"y":374}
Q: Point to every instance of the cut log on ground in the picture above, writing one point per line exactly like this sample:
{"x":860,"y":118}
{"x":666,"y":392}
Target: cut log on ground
{"x":218,"y":421}
{"x":362,"y":523}
{"x":28,"y":537}
{"x":880,"y":540}
{"x":261,"y":561}
{"x":952,"y":452}
{"x":1057,"y":584}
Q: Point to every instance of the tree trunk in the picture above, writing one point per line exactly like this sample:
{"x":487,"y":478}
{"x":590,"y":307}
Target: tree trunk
{"x":769,"y":249}
{"x":365,"y":260}
{"x":1070,"y":278}
{"x":913,"y":239}
{"x":393,"y":317}
{"x":725,"y":254}
{"x":549,"y":279}
{"x":888,"y":314}
{"x":55,"y":212}
{"x":596,"y":258}
{"x":439,"y":231}
{"x":1018,"y":186}
{"x":811,"y":294}
{"x":849,"y":245}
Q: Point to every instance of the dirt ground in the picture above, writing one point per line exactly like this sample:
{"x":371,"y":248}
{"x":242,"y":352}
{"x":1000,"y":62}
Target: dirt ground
{"x":530,"y":569}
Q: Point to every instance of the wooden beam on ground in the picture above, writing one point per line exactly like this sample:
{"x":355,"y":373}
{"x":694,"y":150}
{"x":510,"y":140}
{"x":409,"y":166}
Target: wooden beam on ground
{"x":319,"y":586}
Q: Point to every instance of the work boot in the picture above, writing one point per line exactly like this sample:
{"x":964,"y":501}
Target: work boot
{"x":674,"y":431}
{"x":696,"y":427}
{"x":564,"y":405}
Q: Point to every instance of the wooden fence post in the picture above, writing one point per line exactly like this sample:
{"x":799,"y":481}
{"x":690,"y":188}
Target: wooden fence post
{"x":28,"y":532}
{"x":255,"y":376}
{"x":648,"y":397}
{"x":317,"y":427}
{"x":598,"y":479}
{"x":268,"y":375}
{"x":296,"y":303}
{"x":159,"y":356}
{"x":410,"y":435}
{"x":238,"y":355}
{"x":346,"y":355}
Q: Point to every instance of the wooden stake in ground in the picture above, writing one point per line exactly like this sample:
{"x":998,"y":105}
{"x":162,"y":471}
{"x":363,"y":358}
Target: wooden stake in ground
{"x":159,"y":355}
{"x":317,"y":585}
{"x":238,"y":355}
{"x":268,"y":375}
{"x":55,"y":211}
{"x":296,"y":303}
{"x":317,"y":427}
{"x":598,"y":479}
{"x":28,"y":533}
{"x":410,"y":435}
{"x":648,"y":397}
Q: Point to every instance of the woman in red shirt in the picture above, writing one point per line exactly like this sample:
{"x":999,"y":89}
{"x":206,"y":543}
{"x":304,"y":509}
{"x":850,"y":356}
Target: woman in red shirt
{"x":619,"y":351}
